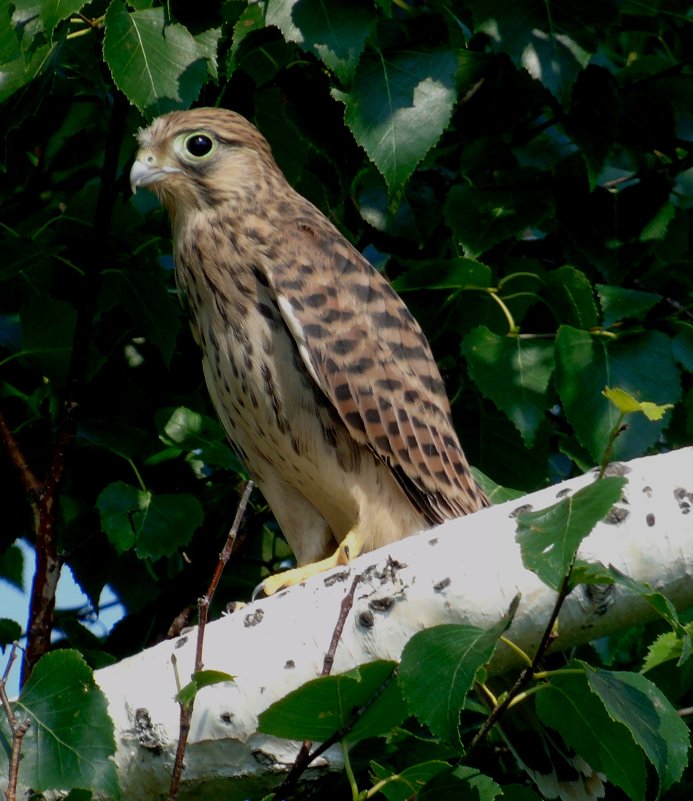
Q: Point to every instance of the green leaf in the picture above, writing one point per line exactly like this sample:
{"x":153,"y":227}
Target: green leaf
{"x":660,"y":603}
{"x":592,"y":120}
{"x":10,"y":631}
{"x":682,"y":344}
{"x":666,"y":647}
{"x":154,"y":525}
{"x":203,"y":678}
{"x":20,"y":60}
{"x":569,"y":705}
{"x":627,"y":404}
{"x":620,"y":304}
{"x":641,"y":364}
{"x":570,"y":296}
{"x":149,"y":304}
{"x":70,"y":740}
{"x":549,"y":538}
{"x":658,"y":226}
{"x":551,"y":41}
{"x":55,"y":11}
{"x":481,"y":217}
{"x":252,"y":19}
{"x":48,"y":329}
{"x":406,"y":784}
{"x":324,"y":706}
{"x":335,"y":32}
{"x":398,"y":106}
{"x":190,"y":431}
{"x":652,"y":721}
{"x":458,"y":273}
{"x":460,"y":784}
{"x":438,"y":668}
{"x":526,"y":367}
{"x":208,"y":43}
{"x":159,"y":67}
{"x":12,"y":567}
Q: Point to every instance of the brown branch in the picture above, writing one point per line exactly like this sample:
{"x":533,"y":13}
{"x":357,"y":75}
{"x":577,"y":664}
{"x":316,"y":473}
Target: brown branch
{"x":203,"y":604}
{"x":26,"y":476}
{"x":18,"y":729}
{"x":304,"y":756}
{"x":48,"y":561}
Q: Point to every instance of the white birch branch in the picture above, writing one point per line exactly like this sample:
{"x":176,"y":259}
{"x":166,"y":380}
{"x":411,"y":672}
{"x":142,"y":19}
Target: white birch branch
{"x":464,"y":571}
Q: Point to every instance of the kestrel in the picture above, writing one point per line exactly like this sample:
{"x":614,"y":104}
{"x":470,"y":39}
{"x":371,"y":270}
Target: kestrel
{"x":323,"y":380}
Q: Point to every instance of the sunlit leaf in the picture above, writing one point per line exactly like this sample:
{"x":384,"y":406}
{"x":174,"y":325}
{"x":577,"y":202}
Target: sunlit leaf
{"x":438,"y":668}
{"x":549,"y":538}
{"x":70,"y":738}
{"x":419,"y":91}
{"x":158,"y":66}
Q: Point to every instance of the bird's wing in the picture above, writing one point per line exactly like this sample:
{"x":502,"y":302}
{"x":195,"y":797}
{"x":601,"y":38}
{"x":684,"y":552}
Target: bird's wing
{"x":370,"y":358}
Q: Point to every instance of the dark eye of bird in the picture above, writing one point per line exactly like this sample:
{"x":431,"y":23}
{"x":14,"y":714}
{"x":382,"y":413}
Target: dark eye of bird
{"x":198,"y":145}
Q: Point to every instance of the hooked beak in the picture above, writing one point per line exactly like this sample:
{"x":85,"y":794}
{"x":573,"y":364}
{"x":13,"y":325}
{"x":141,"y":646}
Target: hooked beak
{"x":148,"y":172}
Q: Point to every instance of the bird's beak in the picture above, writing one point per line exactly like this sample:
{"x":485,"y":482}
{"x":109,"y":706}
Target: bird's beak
{"x":146,"y":171}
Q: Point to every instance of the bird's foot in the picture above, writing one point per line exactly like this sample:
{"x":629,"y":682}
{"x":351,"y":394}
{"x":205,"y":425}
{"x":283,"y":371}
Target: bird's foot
{"x":349,"y":548}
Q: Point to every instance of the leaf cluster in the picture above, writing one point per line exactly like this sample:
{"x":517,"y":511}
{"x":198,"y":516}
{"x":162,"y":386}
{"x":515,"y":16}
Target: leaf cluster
{"x":520,"y":171}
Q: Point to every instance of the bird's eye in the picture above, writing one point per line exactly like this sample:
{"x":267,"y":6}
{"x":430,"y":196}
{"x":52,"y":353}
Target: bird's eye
{"x":199,"y":145}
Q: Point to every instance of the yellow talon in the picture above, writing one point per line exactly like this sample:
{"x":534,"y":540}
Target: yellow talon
{"x":349,"y":548}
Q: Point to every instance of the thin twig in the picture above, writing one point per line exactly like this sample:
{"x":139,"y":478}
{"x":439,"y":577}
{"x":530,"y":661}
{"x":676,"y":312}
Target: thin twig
{"x":344,"y":609}
{"x":203,"y":604}
{"x":304,"y":756}
{"x":26,"y":476}
{"x":18,"y":728}
{"x":527,"y":673}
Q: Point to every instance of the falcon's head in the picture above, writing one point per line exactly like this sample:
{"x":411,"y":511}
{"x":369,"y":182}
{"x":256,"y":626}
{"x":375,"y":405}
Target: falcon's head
{"x":202,"y":158}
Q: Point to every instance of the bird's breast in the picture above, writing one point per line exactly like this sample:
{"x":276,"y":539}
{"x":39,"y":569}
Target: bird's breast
{"x":264,"y":395}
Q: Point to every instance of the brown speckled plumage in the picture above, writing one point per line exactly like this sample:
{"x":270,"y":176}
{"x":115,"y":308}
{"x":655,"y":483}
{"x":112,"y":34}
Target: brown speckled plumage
{"x":322,"y":378}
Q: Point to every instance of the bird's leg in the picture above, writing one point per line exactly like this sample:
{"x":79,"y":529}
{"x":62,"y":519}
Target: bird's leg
{"x":349,"y":548}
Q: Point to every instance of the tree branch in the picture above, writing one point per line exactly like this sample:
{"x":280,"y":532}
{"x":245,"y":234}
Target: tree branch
{"x":48,"y":561}
{"x":464,"y":571}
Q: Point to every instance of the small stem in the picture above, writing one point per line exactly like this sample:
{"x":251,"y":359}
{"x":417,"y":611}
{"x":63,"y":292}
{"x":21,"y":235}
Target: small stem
{"x":304,"y":756}
{"x":137,"y":473}
{"x":486,"y":690}
{"x":512,"y":327}
{"x":203,"y":604}
{"x":516,"y":649}
{"x":527,"y":674}
{"x":520,"y":274}
{"x":613,"y":434}
{"x":350,"y":772}
{"x":520,"y":697}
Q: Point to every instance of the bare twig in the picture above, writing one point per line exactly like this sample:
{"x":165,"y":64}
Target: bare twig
{"x":18,"y":728}
{"x":26,"y":476}
{"x":203,"y":604}
{"x":304,"y":756}
{"x":344,"y":609}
